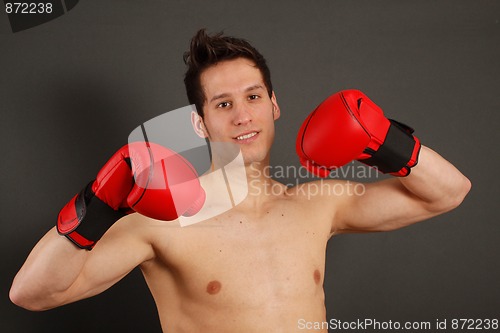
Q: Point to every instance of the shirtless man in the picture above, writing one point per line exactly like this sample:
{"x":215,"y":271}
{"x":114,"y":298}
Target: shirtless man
{"x":258,"y":267}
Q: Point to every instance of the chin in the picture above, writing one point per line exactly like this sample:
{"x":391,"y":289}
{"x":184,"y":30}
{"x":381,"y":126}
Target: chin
{"x":252,"y":157}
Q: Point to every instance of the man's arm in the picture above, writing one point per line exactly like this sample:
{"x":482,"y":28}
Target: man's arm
{"x":63,"y":269}
{"x":56,"y":272}
{"x":349,"y":126}
{"x":433,"y":187}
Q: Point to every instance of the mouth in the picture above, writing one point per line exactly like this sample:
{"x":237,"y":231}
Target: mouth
{"x":246,"y":137}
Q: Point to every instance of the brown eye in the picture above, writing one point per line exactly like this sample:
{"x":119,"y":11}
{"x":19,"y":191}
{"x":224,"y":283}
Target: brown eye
{"x":223,"y":105}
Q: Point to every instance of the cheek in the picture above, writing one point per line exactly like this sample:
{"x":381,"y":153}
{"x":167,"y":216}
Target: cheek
{"x":270,"y":118}
{"x":216,"y":127}
{"x":271,"y":134}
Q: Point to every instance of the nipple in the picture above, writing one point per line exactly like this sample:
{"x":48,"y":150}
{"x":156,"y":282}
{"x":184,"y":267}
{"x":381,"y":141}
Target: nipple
{"x":317,"y":276}
{"x":213,"y":287}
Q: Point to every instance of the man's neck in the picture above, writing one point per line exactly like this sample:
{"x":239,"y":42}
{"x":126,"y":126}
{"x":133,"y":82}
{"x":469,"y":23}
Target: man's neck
{"x":261,"y":186}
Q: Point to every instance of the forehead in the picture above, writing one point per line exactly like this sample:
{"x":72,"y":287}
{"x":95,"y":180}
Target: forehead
{"x":230,"y":76}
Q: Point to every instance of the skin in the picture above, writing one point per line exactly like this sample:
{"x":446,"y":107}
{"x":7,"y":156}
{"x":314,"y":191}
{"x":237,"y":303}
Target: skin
{"x":258,"y":267}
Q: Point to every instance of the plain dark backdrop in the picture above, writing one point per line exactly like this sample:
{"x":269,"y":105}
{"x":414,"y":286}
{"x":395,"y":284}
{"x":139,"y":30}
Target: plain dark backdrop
{"x":72,"y":89}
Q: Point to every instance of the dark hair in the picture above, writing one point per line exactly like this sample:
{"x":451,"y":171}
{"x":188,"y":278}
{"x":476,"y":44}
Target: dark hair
{"x":206,"y":51}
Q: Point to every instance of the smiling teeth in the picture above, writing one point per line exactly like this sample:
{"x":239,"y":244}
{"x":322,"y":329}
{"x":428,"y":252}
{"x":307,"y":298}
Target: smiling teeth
{"x":246,"y":136}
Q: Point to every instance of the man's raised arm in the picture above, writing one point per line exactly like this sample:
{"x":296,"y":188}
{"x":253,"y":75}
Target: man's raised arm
{"x":349,"y":126}
{"x":434,"y":187}
{"x":140,"y":177}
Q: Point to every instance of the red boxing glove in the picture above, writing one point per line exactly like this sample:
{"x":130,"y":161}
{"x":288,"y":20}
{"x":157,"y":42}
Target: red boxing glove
{"x":141,"y":177}
{"x":349,"y":126}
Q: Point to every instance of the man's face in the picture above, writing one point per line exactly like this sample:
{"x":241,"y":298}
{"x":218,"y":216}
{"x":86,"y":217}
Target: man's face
{"x":238,"y":108}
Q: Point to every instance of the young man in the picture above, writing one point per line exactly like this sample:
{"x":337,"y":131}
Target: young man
{"x":258,"y":267}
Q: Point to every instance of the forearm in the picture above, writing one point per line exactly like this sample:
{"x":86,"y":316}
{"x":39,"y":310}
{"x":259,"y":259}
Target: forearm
{"x":435,"y":181}
{"x":50,"y":269}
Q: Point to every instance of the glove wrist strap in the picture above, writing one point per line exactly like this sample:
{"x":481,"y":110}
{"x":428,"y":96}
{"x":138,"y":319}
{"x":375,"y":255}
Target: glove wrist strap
{"x":92,"y":218}
{"x":398,"y":153}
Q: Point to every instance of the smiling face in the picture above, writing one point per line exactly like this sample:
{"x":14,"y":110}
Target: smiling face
{"x":238,"y":108}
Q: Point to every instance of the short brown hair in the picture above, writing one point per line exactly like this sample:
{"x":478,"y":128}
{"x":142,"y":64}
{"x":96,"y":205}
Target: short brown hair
{"x":206,"y":51}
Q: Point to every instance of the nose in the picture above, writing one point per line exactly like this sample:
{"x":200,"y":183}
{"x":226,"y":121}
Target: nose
{"x":242,"y":115}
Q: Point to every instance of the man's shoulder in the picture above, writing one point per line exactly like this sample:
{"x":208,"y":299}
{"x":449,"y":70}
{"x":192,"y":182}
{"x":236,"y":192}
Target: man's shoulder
{"x":140,"y":227}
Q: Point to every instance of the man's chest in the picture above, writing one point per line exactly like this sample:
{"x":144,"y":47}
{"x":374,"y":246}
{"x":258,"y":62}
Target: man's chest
{"x":280,"y":251}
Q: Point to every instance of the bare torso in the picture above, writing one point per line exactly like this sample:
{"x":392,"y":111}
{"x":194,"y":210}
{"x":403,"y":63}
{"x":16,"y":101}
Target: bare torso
{"x":250,"y":269}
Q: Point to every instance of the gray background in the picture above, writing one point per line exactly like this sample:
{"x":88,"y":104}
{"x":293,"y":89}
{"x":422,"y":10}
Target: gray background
{"x":72,"y":89}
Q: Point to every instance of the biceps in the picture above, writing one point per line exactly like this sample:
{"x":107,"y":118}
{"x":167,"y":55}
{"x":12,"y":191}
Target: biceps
{"x":383,"y":206}
{"x":114,"y":256}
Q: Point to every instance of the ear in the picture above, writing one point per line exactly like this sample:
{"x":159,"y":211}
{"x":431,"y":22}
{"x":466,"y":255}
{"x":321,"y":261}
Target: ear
{"x":276,"y":107}
{"x":198,"y":125}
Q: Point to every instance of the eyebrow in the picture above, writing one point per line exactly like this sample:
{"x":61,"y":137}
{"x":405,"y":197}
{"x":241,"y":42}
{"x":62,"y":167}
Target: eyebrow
{"x":248,"y":89}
